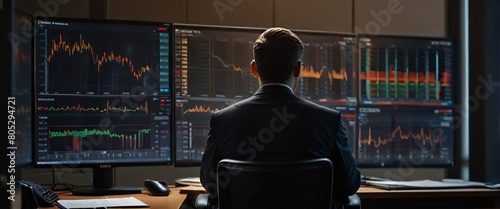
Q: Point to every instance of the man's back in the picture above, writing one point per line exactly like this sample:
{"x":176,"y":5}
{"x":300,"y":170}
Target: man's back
{"x":276,"y":125}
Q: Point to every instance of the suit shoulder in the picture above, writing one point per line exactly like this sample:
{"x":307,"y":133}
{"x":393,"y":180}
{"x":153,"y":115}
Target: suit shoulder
{"x":318,"y":107}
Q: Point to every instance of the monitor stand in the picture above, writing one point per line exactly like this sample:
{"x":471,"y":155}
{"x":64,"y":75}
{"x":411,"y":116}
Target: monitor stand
{"x":104,"y":184}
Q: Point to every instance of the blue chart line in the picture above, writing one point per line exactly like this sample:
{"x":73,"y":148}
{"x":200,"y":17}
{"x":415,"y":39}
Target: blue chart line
{"x":233,"y":67}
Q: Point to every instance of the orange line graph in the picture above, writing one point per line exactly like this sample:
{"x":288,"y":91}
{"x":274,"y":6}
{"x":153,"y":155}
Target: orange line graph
{"x":82,"y":46}
{"x":422,"y":136}
{"x":235,"y":68}
{"x":309,"y":72}
{"x":198,"y":109}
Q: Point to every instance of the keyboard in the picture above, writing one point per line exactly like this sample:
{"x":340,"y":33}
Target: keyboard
{"x":44,"y":196}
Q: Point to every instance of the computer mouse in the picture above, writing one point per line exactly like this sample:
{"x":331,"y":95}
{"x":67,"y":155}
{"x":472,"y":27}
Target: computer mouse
{"x":156,"y":188}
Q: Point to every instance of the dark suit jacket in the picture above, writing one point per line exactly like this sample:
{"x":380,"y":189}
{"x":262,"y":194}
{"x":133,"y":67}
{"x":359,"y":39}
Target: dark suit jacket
{"x":274,"y":124}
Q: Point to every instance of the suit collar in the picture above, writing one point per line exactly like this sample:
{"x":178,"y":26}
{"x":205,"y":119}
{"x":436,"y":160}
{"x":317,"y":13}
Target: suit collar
{"x":274,"y":88}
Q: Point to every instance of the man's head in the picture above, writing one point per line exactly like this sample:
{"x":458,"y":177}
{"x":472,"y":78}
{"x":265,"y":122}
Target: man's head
{"x":277,"y":54}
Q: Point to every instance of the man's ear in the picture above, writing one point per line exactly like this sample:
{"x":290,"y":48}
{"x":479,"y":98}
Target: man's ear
{"x":298,"y":67}
{"x":253,"y":65}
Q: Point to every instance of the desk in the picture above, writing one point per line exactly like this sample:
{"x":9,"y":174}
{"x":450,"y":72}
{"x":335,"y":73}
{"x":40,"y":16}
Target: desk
{"x":370,"y":197}
{"x":173,"y":201}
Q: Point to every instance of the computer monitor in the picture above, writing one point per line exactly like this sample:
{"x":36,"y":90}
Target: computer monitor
{"x":212,"y":71}
{"x":406,"y":93}
{"x":102,"y":97}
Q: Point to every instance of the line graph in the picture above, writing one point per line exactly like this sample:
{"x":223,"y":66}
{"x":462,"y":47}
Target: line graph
{"x":332,"y":75}
{"x":198,"y":109}
{"x":84,"y":47}
{"x":426,"y":136}
{"x":98,"y":105}
{"x":392,"y":134}
{"x":96,"y":109}
{"x":230,"y":66}
{"x":88,"y":62}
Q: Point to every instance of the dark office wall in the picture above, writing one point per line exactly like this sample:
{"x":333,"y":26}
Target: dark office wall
{"x":54,"y":8}
{"x":485,"y":90}
{"x":397,"y":17}
{"x":151,"y":10}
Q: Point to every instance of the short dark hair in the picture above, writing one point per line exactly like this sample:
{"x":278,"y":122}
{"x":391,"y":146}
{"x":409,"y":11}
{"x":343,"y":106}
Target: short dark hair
{"x":276,"y":53}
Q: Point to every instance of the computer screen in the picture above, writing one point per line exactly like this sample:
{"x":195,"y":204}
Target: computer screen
{"x":406,"y":92}
{"x":102,"y":96}
{"x":212,"y":71}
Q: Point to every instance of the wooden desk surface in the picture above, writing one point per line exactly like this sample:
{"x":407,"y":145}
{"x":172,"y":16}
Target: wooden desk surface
{"x":366,"y":193}
{"x":369,"y":192}
{"x":376,"y":198}
{"x":172,"y":201}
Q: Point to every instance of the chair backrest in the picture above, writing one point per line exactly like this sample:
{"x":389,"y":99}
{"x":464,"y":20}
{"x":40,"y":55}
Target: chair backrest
{"x":288,"y":184}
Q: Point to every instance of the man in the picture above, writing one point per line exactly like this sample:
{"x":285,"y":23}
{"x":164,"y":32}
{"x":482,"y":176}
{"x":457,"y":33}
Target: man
{"x":274,"y":124}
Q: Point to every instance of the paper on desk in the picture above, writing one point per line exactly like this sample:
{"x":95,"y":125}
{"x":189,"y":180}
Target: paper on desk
{"x":101,"y":203}
{"x":189,"y":181}
{"x":430,"y":184}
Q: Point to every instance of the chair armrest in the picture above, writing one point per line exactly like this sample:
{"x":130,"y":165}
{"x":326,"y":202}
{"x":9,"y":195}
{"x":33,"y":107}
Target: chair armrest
{"x":354,"y":202}
{"x":203,"y":201}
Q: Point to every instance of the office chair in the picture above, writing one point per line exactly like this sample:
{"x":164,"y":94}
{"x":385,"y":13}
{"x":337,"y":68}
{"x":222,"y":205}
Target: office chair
{"x":288,"y":184}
